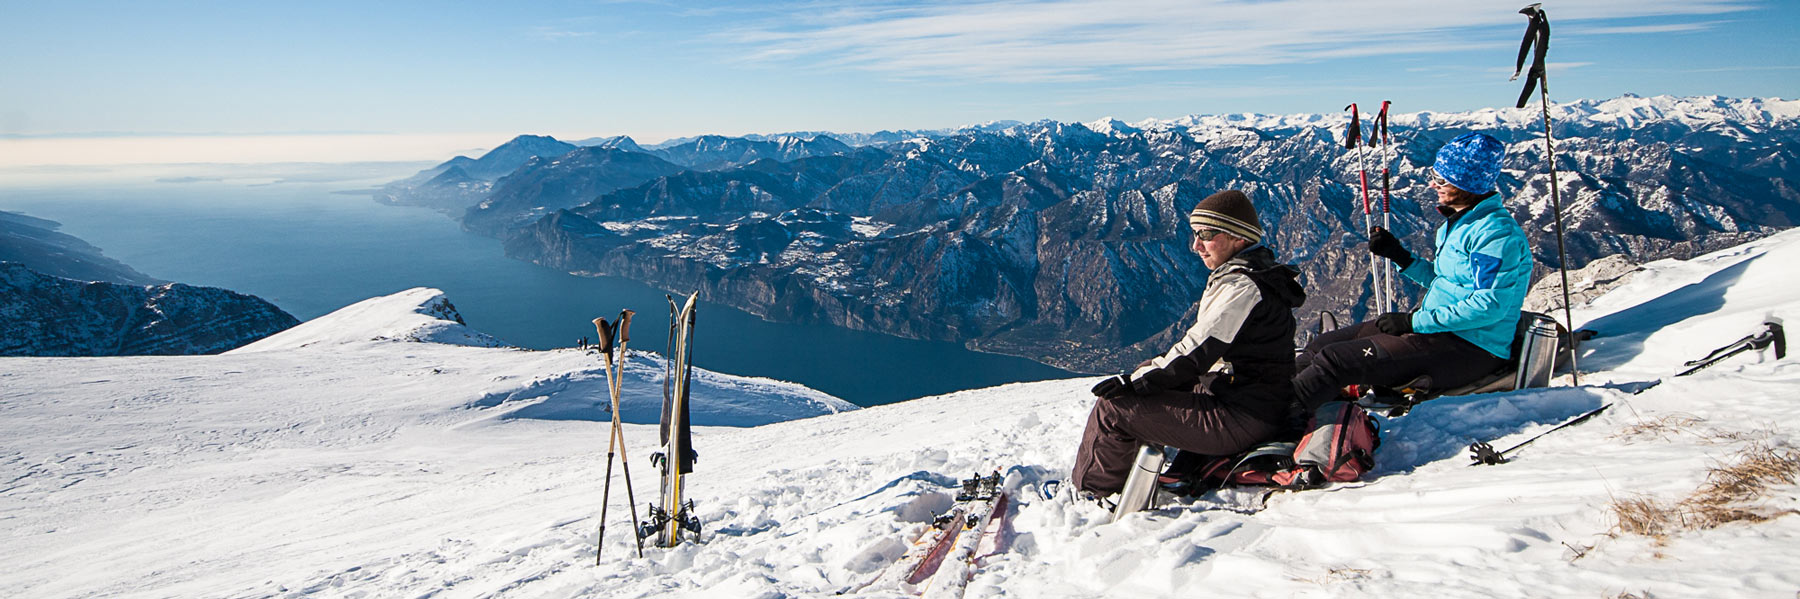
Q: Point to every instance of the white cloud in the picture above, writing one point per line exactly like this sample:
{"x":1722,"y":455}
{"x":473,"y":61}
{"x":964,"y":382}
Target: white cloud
{"x":1643,"y":29}
{"x":558,"y":34}
{"x":1549,"y":66}
{"x":1072,"y":40}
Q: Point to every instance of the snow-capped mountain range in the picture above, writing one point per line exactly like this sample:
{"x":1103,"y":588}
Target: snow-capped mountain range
{"x":1066,"y":242}
{"x":381,"y":451}
{"x":1757,"y":115}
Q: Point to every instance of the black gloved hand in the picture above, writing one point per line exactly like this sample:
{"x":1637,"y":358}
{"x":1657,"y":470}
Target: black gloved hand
{"x":1395,"y":323}
{"x":1114,"y":387}
{"x":1384,"y":244}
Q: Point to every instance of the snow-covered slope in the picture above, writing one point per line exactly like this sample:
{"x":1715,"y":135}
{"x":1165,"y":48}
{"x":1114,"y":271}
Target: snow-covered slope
{"x":374,"y":469}
{"x":418,"y":314}
{"x":557,"y":385}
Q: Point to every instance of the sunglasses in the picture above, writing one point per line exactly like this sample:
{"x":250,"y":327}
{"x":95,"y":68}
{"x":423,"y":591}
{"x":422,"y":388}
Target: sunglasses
{"x":1207,"y":234}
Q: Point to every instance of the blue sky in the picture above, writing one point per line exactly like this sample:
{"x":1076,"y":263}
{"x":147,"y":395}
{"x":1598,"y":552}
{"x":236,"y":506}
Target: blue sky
{"x":660,"y":69}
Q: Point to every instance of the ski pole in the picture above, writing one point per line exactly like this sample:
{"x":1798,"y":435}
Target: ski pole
{"x":1772,"y":334}
{"x":617,"y":384}
{"x":1537,"y":32}
{"x":1387,"y":212}
{"x":1353,"y":140}
{"x":1484,"y":453}
{"x":617,"y":437}
{"x":603,"y":333}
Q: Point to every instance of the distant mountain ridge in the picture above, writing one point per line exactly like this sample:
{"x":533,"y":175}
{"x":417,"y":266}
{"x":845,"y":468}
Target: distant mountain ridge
{"x":35,"y":243}
{"x":460,"y":184}
{"x":1067,"y":243}
{"x":44,"y":315}
{"x":60,"y":296}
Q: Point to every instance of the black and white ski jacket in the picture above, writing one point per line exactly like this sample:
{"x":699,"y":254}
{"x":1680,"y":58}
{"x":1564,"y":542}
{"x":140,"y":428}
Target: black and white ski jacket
{"x":1241,"y":346}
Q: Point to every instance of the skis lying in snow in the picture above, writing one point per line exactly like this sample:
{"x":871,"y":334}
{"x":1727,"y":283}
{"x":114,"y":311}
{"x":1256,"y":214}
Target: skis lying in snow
{"x":962,"y":540}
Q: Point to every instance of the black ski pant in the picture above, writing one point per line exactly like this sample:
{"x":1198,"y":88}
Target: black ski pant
{"x":1361,"y":354}
{"x":1195,"y":422}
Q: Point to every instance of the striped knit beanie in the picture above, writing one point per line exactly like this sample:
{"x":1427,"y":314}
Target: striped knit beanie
{"x":1229,"y":211}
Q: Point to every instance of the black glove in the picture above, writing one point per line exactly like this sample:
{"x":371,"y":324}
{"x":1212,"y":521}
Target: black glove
{"x":1395,"y":323}
{"x":1384,"y":244}
{"x":1114,"y":387}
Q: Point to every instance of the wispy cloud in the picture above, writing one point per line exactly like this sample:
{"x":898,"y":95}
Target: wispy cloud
{"x":1549,"y":66}
{"x":1644,"y":29}
{"x":1076,"y":40}
{"x":556,"y":34}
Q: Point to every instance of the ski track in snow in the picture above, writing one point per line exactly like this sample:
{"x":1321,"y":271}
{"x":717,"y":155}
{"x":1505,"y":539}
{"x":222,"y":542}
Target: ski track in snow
{"x":341,"y":466}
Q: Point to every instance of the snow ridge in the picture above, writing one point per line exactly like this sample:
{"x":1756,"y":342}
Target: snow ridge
{"x":420,"y":314}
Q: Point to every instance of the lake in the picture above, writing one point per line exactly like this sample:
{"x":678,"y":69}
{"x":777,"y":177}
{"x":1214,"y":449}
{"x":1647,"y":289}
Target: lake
{"x":311,"y":245}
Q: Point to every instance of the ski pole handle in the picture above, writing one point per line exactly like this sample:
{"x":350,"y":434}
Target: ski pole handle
{"x":1386,"y":197}
{"x":625,"y":326}
{"x":604,"y":331}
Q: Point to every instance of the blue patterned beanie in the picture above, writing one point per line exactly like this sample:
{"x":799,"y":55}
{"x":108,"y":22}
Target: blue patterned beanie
{"x":1471,"y":162}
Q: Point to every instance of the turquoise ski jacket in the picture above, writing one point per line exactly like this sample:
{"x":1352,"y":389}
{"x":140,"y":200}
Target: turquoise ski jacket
{"x":1475,"y":287}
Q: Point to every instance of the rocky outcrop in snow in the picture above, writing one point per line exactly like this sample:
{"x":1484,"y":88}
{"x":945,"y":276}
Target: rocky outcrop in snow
{"x":1585,"y":284}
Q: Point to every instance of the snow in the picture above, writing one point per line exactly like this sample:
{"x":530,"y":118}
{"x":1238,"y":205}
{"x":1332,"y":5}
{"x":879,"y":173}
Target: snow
{"x":633,"y":228}
{"x":867,"y":227}
{"x":417,"y":314}
{"x":343,"y":459}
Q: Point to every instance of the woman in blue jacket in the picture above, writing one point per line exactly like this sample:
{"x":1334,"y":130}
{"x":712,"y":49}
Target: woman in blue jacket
{"x":1474,"y":291}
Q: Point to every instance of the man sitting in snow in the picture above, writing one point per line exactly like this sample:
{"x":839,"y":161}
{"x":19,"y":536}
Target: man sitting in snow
{"x":1474,"y":290}
{"x":1224,"y":387}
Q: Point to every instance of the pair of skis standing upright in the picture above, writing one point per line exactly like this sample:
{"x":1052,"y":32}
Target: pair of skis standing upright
{"x":674,"y":514}
{"x":1381,"y":283}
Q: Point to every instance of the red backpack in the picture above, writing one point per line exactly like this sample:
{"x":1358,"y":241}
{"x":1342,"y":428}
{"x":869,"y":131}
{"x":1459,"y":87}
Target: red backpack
{"x":1338,"y":446}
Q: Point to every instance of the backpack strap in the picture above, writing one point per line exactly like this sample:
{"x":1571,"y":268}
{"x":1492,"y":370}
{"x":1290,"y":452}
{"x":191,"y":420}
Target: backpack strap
{"x":1282,"y":450}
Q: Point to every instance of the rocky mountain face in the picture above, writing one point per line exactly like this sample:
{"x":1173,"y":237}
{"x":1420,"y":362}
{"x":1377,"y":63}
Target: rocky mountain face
{"x":59,"y":296}
{"x":1067,"y":243}
{"x":44,"y":315}
{"x":483,"y":194}
{"x":543,"y":185}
